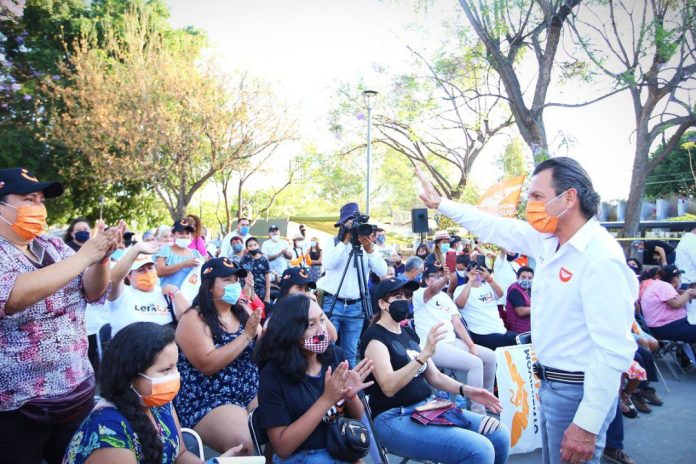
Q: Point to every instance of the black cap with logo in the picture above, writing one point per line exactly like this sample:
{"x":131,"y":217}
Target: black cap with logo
{"x":391,"y":285}
{"x":221,"y":267}
{"x":21,"y":181}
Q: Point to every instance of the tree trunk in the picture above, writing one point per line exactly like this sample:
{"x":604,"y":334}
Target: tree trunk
{"x":637,"y":191}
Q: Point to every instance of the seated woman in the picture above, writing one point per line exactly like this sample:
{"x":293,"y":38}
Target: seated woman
{"x":304,"y":379}
{"x":518,"y":303}
{"x":219,"y":381}
{"x":457,"y":351}
{"x":477,"y":301}
{"x":136,"y":295}
{"x":404,"y":375}
{"x":664,"y":309}
{"x":135,"y":421}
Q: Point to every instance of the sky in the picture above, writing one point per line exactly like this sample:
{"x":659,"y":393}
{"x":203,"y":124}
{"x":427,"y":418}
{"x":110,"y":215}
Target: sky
{"x":305,"y":48}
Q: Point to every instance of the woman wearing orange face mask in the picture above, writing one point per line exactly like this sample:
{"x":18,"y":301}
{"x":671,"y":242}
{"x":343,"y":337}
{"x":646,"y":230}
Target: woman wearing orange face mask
{"x":46,"y":380}
{"x":136,"y":295}
{"x":135,"y":422}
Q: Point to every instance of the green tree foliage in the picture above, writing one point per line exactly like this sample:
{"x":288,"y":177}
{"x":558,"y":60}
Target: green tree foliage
{"x":513,"y":162}
{"x":676,"y":174}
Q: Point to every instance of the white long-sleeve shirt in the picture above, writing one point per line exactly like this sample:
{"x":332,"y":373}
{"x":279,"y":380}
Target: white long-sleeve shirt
{"x":334,"y":259}
{"x":686,"y":257}
{"x":582,"y":302}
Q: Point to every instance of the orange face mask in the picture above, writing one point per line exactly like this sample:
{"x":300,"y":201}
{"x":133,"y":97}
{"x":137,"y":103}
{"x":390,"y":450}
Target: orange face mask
{"x":539,"y":219}
{"x":145,"y":281}
{"x":30,"y":222}
{"x":164,"y":390}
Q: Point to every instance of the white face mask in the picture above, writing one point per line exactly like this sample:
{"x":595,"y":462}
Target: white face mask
{"x":182,"y":242}
{"x":275,"y":238}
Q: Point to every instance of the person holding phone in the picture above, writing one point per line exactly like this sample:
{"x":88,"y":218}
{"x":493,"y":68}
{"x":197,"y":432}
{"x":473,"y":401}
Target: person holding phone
{"x":219,"y":381}
{"x":477,"y":302}
{"x":457,"y":350}
{"x":405,"y":373}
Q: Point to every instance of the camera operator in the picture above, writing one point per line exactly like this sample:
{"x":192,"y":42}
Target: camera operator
{"x":347,"y":314}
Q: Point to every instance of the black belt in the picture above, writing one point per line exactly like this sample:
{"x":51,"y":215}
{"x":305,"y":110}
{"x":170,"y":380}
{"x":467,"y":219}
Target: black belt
{"x":558,"y":375}
{"x":345,"y":301}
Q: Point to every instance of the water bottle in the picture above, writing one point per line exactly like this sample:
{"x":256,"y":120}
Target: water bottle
{"x":442,"y":395}
{"x":461,"y":402}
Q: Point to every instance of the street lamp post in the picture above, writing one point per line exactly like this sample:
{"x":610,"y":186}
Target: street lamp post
{"x":369,"y":97}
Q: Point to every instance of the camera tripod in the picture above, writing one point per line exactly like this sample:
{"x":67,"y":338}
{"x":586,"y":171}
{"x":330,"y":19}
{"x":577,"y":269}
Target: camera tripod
{"x":356,"y":256}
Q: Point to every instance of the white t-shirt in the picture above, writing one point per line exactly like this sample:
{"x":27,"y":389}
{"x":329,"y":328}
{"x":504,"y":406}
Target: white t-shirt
{"x":439,"y":308}
{"x":134,"y":305}
{"x":269,"y":248}
{"x":481,"y":312}
{"x":686,"y":257}
{"x":505,"y":273}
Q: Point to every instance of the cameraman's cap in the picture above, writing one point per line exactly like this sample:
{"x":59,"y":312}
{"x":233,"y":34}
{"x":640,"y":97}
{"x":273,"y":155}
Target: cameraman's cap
{"x":670,"y":271}
{"x":295,"y":276}
{"x":221,"y":267}
{"x":182,"y":226}
{"x":141,"y":261}
{"x":441,"y":235}
{"x":273,"y":228}
{"x":21,"y":181}
{"x":432,"y":268}
{"x":347,"y":212}
{"x":391,"y":285}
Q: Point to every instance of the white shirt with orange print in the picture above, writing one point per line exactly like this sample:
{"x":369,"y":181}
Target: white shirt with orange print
{"x":582,"y":302}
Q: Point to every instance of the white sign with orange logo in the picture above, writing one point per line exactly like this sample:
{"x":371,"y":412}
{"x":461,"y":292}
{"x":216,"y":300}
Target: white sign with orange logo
{"x":518,"y":390}
{"x":191,"y":284}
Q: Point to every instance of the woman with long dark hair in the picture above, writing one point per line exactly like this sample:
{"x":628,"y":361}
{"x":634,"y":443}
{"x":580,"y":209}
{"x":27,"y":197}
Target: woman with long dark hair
{"x":217,"y":336}
{"x":198,"y":235}
{"x":78,"y":233}
{"x":304,"y":379}
{"x":135,"y":421}
{"x":315,"y":258}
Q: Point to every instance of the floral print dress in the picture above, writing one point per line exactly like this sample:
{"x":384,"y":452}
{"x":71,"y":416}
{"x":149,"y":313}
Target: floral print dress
{"x":106,"y":427}
{"x":236,"y":384}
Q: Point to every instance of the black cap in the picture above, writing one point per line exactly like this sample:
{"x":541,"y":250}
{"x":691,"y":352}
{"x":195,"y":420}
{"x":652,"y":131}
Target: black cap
{"x":296,"y":276}
{"x":272,"y":228}
{"x":431,"y":268}
{"x":391,"y":285}
{"x":21,"y":181}
{"x":455,"y":239}
{"x":463,"y":259}
{"x":221,"y":267}
{"x":182,"y":226}
{"x":670,"y":272}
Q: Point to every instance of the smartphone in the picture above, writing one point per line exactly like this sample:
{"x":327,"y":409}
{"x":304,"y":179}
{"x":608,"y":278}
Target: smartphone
{"x":451,"y":261}
{"x":481,"y":261}
{"x":434,"y":405}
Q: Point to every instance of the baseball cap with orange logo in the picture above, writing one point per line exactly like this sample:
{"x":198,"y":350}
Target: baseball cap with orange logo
{"x":221,"y":267}
{"x":20,"y":181}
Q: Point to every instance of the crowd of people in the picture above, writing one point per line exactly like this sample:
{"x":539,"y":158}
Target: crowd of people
{"x":204,"y":333}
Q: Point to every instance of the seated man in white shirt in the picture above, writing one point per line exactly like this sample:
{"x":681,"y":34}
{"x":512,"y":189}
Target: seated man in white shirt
{"x":477,"y":301}
{"x":457,"y":350}
{"x":277,"y":251}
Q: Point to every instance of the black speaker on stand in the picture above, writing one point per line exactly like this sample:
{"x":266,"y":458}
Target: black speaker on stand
{"x":419,"y":222}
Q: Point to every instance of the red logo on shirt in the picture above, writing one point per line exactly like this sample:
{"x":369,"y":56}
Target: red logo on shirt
{"x":565,"y":275}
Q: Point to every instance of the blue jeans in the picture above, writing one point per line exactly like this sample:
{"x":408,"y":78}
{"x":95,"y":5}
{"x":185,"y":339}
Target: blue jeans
{"x":449,"y":445}
{"x":615,"y":432}
{"x":559,"y":403}
{"x":321,"y":456}
{"x":348,"y":320}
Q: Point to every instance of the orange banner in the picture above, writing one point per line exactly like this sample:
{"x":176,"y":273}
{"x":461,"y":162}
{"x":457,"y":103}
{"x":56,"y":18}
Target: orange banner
{"x":502,"y":198}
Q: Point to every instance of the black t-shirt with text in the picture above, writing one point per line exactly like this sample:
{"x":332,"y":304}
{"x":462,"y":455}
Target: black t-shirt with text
{"x":403,"y":348}
{"x":282,"y":401}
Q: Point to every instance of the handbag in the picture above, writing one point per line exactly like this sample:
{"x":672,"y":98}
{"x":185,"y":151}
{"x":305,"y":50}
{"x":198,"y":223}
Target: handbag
{"x":348,"y":439}
{"x":62,"y":409}
{"x":440,"y":413}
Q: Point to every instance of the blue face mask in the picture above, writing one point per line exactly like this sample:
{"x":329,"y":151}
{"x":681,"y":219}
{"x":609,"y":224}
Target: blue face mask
{"x":244,"y":230}
{"x":232,"y":293}
{"x":118,"y":254}
{"x":82,"y":236}
{"x":237,"y":247}
{"x":381,"y":239}
{"x":444,"y":247}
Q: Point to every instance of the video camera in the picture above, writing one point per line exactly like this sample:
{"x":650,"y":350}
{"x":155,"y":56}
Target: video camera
{"x":359,"y":228}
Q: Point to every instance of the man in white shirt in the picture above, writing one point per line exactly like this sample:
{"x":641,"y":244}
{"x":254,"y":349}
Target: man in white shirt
{"x":686,"y":257}
{"x":347,"y":313}
{"x":242,"y":231}
{"x":386,"y":251}
{"x":277,"y":251}
{"x":582,"y":298}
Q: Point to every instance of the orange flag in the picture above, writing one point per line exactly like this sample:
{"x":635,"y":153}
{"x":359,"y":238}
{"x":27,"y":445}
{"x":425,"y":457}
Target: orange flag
{"x":502,"y":198}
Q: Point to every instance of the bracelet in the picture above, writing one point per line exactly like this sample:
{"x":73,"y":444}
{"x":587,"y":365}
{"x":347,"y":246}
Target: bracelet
{"x":461,"y":389}
{"x":415,"y":358}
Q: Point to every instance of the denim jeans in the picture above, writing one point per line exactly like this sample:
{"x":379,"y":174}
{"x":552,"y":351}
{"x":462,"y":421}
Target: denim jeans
{"x":679,"y":330}
{"x":449,"y":445}
{"x":559,"y":403}
{"x":615,"y":432}
{"x":321,"y":456}
{"x":348,"y":320}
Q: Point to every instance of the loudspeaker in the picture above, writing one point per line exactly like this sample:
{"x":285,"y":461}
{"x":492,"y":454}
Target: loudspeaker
{"x":419,"y":220}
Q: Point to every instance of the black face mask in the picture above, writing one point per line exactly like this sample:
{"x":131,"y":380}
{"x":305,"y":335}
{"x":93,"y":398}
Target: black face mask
{"x":254,"y":252}
{"x":398,"y":310}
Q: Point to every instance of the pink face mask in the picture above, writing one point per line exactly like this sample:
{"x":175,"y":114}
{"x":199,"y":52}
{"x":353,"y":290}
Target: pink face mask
{"x":317,"y":343}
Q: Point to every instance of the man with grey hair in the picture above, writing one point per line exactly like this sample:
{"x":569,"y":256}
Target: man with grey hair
{"x":582,"y":309}
{"x":413,"y":268}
